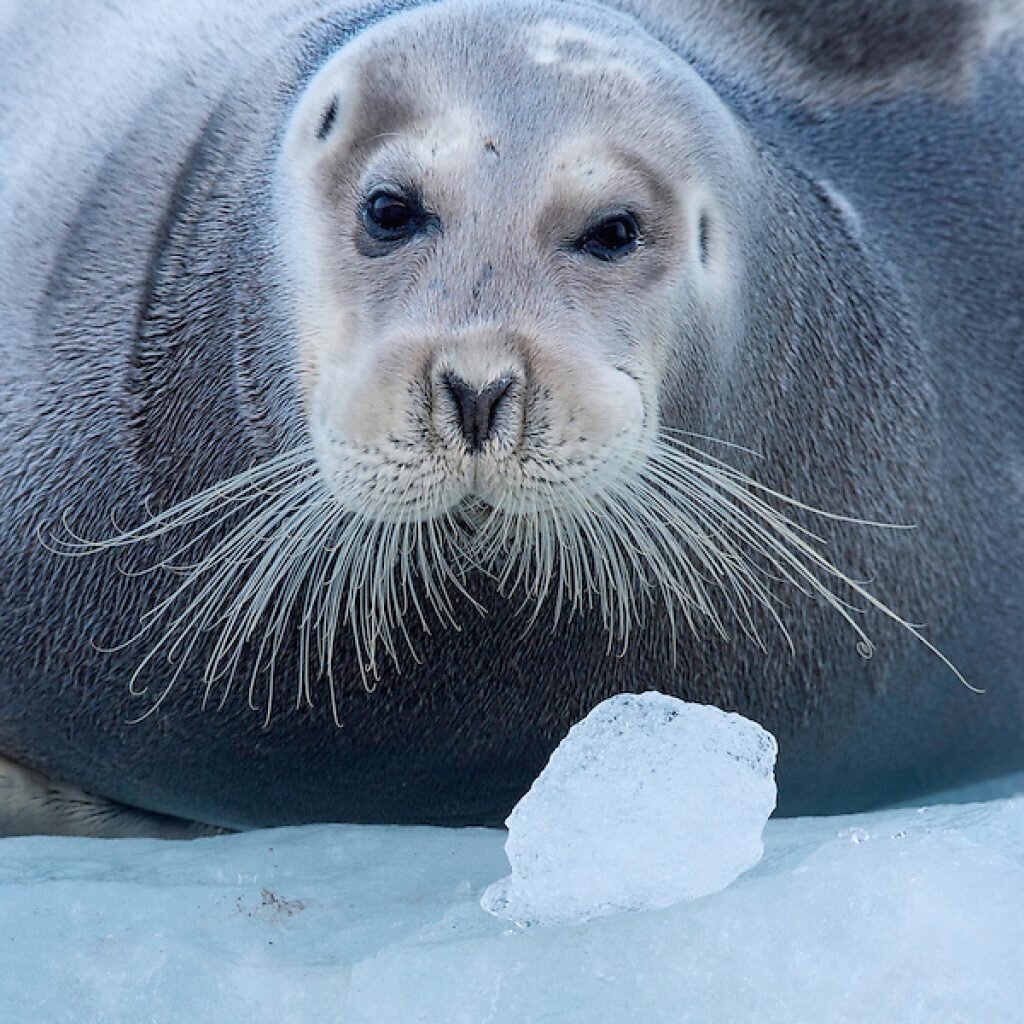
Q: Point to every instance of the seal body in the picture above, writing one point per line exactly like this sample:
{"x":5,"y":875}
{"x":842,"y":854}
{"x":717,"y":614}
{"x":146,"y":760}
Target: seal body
{"x":444,"y":250}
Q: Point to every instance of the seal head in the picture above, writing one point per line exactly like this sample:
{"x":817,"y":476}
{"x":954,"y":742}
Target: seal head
{"x":495,"y":257}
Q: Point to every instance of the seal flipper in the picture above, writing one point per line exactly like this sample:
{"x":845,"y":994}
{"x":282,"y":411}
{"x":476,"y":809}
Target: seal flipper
{"x":32,"y":804}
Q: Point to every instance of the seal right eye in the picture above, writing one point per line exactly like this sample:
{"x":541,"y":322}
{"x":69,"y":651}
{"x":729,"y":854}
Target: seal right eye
{"x":612,"y":238}
{"x":390,"y":217}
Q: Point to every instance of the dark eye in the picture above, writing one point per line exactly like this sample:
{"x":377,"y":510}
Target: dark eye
{"x":613,"y":238}
{"x":390,"y":217}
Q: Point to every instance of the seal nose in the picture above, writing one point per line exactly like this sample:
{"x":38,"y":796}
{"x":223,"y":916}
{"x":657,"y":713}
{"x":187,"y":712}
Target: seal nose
{"x":477,"y":409}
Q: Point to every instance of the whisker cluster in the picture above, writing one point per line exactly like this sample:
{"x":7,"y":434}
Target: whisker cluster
{"x":271,"y":554}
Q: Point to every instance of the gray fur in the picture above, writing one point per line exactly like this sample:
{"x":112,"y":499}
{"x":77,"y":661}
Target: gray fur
{"x":149,"y":353}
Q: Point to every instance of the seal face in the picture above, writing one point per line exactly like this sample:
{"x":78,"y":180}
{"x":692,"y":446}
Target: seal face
{"x":465,"y":364}
{"x":487,"y":302}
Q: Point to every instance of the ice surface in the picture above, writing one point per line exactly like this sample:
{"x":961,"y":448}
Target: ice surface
{"x":913,"y":916}
{"x":908,"y":916}
{"x":646,"y":802}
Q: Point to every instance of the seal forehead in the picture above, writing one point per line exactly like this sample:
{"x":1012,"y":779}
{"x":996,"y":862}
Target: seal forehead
{"x":587,"y":163}
{"x":449,"y":138}
{"x":579,"y":50}
{"x":592,"y":166}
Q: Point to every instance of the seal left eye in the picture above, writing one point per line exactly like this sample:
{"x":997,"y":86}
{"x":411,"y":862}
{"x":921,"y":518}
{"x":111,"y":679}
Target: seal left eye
{"x":612,"y":239}
{"x":390,"y":217}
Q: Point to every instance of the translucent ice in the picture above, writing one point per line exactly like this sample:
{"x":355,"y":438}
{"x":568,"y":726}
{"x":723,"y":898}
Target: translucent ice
{"x":647,"y":802}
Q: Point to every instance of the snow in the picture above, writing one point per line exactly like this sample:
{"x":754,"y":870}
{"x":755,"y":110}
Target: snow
{"x":901,"y":916}
{"x":647,"y":802}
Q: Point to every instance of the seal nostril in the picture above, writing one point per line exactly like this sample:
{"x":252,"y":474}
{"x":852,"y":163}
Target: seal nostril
{"x":464,"y":398}
{"x":477,"y":409}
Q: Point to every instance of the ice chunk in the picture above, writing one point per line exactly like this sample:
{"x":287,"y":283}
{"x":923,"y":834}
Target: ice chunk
{"x":647,"y":802}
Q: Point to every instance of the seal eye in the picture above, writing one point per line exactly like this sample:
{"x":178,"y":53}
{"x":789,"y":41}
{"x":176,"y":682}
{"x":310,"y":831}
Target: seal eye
{"x":612,"y":239}
{"x":390,"y":217}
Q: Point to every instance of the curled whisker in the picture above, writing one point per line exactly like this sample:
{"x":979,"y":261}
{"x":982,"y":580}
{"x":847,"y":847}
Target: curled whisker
{"x":272,"y":561}
{"x":778,"y":537}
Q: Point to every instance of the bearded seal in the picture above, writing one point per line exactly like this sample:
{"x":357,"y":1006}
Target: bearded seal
{"x":389,"y":383}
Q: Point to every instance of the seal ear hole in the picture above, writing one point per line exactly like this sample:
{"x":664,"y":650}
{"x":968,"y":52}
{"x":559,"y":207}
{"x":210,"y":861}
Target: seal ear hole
{"x":328,"y":119}
{"x":703,"y":238}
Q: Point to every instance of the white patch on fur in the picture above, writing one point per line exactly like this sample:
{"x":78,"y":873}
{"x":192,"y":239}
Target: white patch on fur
{"x":334,"y":83}
{"x":585,"y":164}
{"x":450,"y":141}
{"x":716,"y":278}
{"x":325,"y":323}
{"x":579,"y":51}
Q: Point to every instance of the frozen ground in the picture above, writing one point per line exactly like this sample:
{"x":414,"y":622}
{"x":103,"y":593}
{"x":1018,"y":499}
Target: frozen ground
{"x":913,"y":915}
